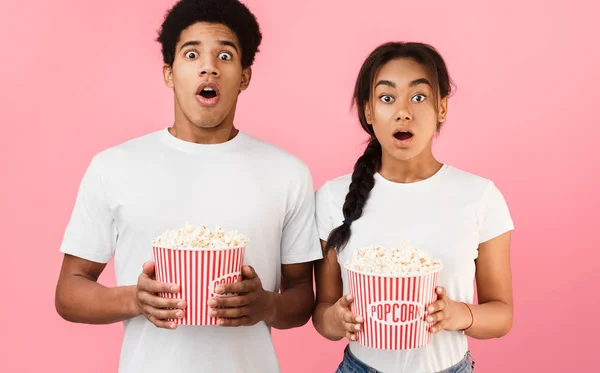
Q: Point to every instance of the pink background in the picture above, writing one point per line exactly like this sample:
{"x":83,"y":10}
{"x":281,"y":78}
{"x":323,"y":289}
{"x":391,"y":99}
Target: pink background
{"x":79,"y":76}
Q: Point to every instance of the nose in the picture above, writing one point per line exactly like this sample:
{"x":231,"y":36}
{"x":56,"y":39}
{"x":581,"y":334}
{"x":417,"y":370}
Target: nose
{"x":209,"y":68}
{"x":404,"y":112}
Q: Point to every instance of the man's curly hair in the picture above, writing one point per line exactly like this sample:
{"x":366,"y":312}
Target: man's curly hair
{"x":230,"y":13}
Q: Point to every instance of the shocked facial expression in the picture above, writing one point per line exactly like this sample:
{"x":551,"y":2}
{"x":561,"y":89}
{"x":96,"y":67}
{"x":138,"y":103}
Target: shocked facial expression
{"x":207,"y":74}
{"x":402,"y":109}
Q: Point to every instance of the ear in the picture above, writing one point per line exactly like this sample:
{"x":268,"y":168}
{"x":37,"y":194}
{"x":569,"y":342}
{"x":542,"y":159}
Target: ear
{"x":368,"y":113}
{"x":168,"y":75}
{"x":443,"y":110}
{"x":246,"y":77}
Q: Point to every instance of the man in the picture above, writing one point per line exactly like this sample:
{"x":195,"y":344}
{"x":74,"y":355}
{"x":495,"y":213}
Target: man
{"x":205,"y":171}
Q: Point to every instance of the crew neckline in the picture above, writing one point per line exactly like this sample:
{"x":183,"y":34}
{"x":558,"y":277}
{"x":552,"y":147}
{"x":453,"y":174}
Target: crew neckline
{"x":194,"y":148}
{"x":414,"y":184}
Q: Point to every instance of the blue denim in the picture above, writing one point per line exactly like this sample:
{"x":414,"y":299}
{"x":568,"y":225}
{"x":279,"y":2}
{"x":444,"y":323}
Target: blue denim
{"x":351,"y":364}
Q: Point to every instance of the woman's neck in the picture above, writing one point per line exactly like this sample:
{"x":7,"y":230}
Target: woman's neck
{"x":412,"y":170}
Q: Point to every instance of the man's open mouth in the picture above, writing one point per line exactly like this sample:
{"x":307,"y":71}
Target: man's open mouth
{"x":208,"y":93}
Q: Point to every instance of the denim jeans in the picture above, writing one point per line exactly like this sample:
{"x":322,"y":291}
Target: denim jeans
{"x":351,"y":364}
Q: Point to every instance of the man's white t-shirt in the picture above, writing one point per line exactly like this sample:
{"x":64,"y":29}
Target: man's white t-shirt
{"x":141,"y":188}
{"x":447,"y":216}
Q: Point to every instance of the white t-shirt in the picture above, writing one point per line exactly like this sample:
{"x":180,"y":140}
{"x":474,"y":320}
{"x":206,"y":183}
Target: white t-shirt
{"x":447,"y":215}
{"x":139,"y":189}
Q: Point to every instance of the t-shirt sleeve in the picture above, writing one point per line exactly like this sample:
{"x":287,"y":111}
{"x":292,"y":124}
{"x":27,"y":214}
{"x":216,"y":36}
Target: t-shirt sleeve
{"x":323,"y":207}
{"x":91,"y":232}
{"x":494,"y":217}
{"x":300,"y":240}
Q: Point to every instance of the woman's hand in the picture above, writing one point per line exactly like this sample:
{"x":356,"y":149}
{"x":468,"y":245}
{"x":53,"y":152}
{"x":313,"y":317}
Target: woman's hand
{"x":446,"y":314}
{"x":342,"y":319}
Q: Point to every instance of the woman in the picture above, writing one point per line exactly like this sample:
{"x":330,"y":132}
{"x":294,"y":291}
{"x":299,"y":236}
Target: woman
{"x":400,"y":192}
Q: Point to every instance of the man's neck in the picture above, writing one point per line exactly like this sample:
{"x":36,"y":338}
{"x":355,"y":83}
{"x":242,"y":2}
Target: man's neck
{"x":198,"y":135}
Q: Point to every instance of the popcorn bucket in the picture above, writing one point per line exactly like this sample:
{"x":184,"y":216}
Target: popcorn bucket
{"x":198,"y":272}
{"x":393,"y":309}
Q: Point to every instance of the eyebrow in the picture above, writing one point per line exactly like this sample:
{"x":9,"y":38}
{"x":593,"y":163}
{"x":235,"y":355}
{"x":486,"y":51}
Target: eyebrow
{"x":414,"y":83}
{"x":221,"y":42}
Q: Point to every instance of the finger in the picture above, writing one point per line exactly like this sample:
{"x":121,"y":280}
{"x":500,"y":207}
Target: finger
{"x":346,"y":300}
{"x":234,"y":322}
{"x":351,"y":327}
{"x":348,"y":316}
{"x":221,"y":302}
{"x":440,"y":291}
{"x":161,"y":323}
{"x":249,"y":272}
{"x":437,"y":327}
{"x":148,"y":268}
{"x":438,"y":305}
{"x":351,"y":336}
{"x":147,"y":284}
{"x":163,"y":315}
{"x":436,"y":317}
{"x":145,"y":298}
{"x":244,"y":286}
{"x":230,"y":313}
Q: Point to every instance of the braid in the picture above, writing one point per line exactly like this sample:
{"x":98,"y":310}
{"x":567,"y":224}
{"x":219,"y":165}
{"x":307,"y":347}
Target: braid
{"x":362,"y":183}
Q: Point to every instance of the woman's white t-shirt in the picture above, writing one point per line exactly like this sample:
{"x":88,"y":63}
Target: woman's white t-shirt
{"x":447,"y":216}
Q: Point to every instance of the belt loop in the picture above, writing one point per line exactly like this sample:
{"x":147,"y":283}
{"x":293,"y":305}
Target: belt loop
{"x":471,"y":359}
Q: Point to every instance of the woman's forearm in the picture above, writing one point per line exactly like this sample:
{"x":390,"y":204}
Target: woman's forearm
{"x":490,"y":320}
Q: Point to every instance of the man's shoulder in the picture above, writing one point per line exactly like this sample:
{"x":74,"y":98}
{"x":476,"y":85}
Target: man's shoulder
{"x":127,"y":150}
{"x":275,"y":156}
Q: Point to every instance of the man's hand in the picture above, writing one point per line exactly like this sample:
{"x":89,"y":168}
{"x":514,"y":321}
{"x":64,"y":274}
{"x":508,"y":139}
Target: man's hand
{"x":157,"y":309}
{"x":252,"y":305}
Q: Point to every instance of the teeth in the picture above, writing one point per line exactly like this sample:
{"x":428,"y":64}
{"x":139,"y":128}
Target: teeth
{"x":208,"y":89}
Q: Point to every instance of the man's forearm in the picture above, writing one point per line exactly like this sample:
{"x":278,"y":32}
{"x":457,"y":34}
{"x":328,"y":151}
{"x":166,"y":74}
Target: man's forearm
{"x":82,"y":300}
{"x":292,"y":307}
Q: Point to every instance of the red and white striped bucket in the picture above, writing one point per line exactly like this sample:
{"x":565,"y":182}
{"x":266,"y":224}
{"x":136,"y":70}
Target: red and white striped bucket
{"x":198,"y":272}
{"x":394,"y":309}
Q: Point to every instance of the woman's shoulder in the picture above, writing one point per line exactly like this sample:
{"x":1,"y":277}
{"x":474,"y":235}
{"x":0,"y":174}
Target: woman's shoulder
{"x":467,"y":179}
{"x":336,"y":187}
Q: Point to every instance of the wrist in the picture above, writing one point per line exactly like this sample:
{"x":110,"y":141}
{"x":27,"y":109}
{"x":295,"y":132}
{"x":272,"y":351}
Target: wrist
{"x":467,"y":316}
{"x":129,"y":301}
{"x":333,"y":329}
{"x":271,"y":305}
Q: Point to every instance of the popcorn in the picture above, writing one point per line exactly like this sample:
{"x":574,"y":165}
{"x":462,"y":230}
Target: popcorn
{"x":199,"y":238}
{"x":404,"y":261}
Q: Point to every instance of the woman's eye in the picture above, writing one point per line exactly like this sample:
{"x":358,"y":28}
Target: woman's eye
{"x":387,"y":99}
{"x":418,"y":98}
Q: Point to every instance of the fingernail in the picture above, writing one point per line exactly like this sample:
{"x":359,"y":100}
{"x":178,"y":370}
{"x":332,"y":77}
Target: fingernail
{"x":429,"y":319}
{"x":213,"y":313}
{"x":353,"y":338}
{"x":430,"y":309}
{"x":359,"y":319}
{"x":179,"y":314}
{"x":212,"y":302}
{"x":221,"y":322}
{"x":174,"y":288}
{"x":356,"y":327}
{"x":180,"y":305}
{"x":349,"y":297}
{"x":173,"y":326}
{"x":219,"y":289}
